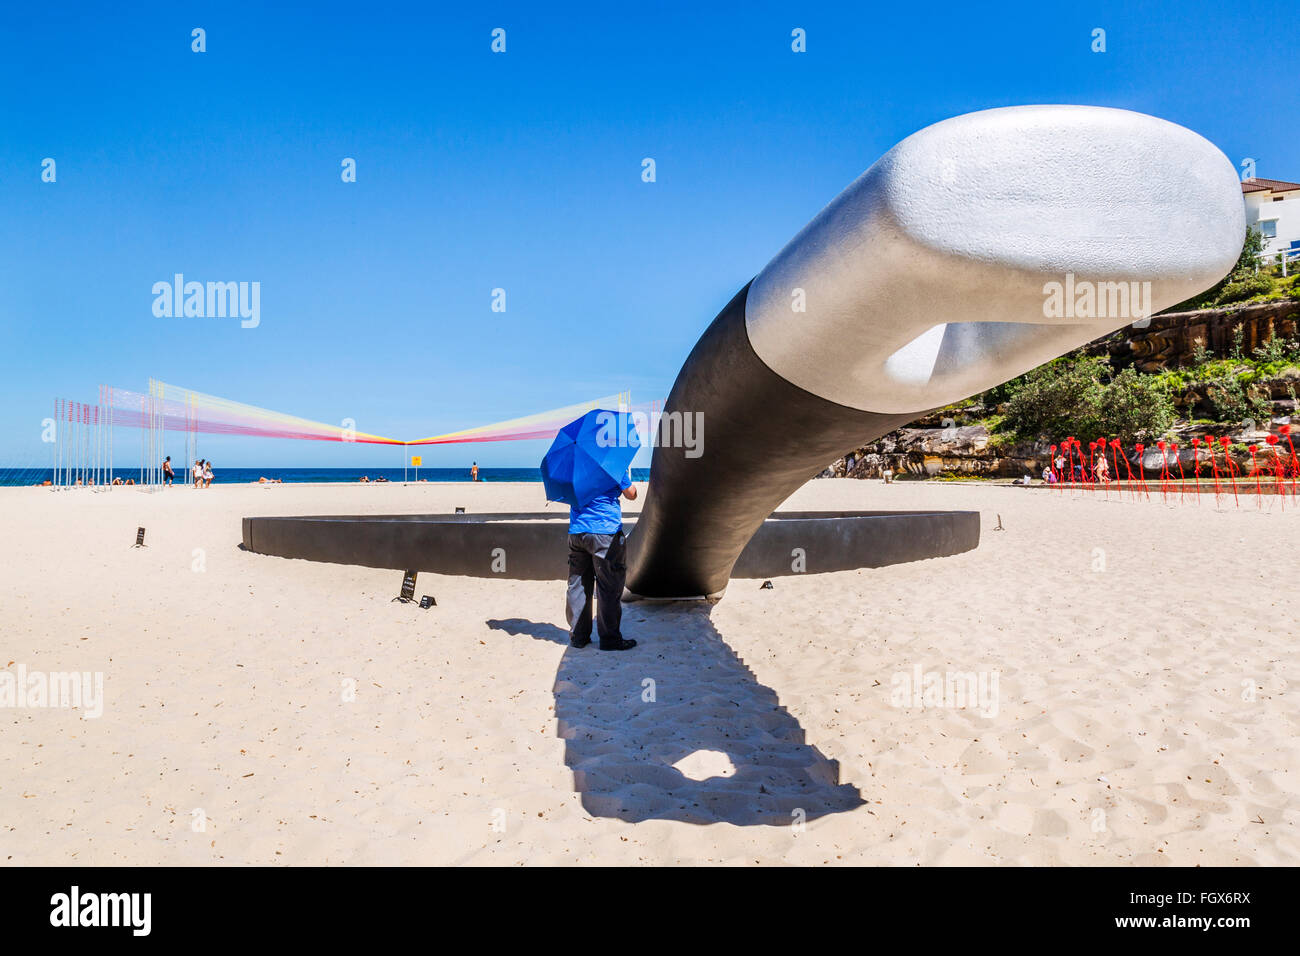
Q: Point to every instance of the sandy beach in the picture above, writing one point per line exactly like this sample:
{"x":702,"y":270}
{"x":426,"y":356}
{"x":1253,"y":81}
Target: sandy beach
{"x":259,"y":710}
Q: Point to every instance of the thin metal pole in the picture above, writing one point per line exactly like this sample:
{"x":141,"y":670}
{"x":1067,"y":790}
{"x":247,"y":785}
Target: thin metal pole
{"x":156,"y":469}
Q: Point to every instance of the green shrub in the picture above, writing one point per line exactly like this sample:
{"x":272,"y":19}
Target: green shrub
{"x":1134,"y":405}
{"x":1278,"y":349}
{"x":1056,"y":399}
{"x":1232,"y":402}
{"x":1245,"y":288}
{"x":1086,"y":399}
{"x":1248,"y":263}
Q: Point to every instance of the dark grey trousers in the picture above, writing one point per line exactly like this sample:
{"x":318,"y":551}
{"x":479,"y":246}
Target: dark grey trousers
{"x":598,"y":559}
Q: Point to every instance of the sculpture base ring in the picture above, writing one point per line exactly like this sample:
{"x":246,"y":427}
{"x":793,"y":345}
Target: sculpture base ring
{"x":534,"y":546}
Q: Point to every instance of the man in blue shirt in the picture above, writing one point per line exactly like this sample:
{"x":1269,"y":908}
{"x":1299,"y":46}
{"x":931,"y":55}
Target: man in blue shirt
{"x":597,"y":554}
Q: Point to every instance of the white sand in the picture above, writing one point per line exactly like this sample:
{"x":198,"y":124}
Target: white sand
{"x":1125,"y":730}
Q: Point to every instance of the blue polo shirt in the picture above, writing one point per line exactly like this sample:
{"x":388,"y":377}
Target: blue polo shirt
{"x":602,"y":515}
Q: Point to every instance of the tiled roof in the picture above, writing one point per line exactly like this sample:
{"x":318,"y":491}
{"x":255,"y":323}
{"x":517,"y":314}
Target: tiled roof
{"x":1267,"y":185}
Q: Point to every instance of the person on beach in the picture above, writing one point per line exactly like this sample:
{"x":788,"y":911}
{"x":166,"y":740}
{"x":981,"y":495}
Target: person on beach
{"x":473,"y":472}
{"x":597,"y":555}
{"x":207,"y":474}
{"x":198,"y":472}
{"x":168,"y":473}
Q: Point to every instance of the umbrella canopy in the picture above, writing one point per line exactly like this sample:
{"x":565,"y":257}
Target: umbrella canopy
{"x":589,"y":457}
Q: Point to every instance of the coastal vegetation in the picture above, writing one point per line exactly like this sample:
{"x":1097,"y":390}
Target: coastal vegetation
{"x":1144,"y":383}
{"x":1085,"y":394}
{"x":1254,"y":279}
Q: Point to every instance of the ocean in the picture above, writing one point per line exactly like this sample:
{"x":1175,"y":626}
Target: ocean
{"x":236,"y":476}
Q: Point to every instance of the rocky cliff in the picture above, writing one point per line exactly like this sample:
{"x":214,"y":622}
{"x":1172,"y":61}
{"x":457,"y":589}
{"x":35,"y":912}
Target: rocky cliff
{"x":1171,"y":340}
{"x":956,"y":443}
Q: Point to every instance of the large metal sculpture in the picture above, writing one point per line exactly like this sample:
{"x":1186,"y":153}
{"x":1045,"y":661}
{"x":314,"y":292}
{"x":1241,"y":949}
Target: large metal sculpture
{"x":973,"y":251}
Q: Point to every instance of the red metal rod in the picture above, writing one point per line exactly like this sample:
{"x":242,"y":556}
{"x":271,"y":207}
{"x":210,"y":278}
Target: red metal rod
{"x":1225,"y":441}
{"x":1114,"y":457}
{"x":1209,"y":446}
{"x":1254,"y":469}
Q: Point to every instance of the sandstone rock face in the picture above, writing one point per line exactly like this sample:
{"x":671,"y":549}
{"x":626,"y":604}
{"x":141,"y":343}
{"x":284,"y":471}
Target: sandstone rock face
{"x":925,"y":452}
{"x":1170,"y":340}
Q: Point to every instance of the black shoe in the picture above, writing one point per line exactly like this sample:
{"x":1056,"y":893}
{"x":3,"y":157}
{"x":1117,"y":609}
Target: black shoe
{"x":579,"y":642}
{"x":622,"y":645}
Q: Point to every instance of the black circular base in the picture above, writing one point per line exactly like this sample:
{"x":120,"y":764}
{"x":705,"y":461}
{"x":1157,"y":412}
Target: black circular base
{"x":534,"y":547}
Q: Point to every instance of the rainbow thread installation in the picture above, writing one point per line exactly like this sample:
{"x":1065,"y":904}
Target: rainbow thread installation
{"x":85,"y":441}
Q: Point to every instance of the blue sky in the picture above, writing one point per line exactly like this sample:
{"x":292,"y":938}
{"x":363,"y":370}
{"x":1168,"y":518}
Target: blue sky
{"x":478,"y":171}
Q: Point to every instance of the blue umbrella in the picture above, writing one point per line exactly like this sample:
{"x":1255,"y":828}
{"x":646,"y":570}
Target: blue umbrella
{"x":589,"y":457}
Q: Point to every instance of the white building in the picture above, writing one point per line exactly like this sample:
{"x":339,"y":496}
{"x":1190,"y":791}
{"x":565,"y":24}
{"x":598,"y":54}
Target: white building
{"x":1273,"y":207}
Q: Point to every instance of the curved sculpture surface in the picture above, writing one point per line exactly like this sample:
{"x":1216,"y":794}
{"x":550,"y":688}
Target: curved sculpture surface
{"x":973,"y":251}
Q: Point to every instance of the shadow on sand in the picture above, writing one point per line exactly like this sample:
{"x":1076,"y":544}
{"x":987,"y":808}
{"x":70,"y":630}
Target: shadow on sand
{"x":627,"y":718}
